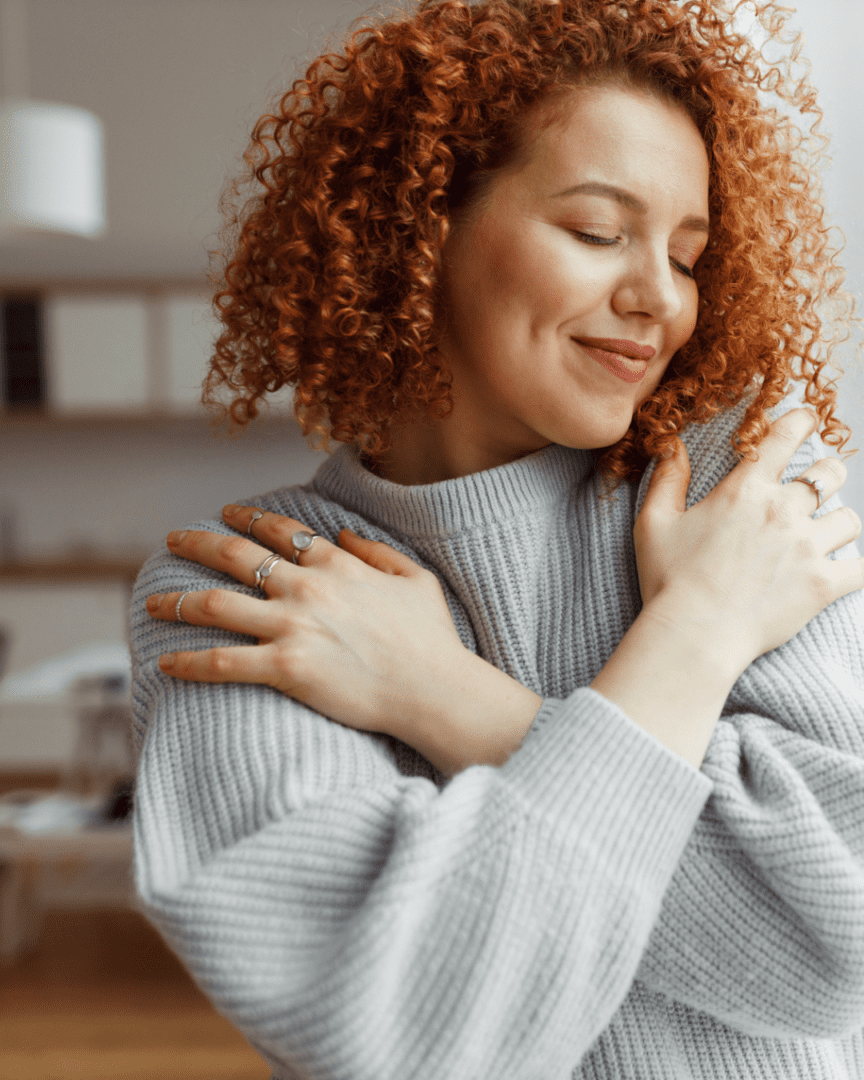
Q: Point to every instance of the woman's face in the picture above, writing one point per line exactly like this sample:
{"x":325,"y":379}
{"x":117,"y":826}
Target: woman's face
{"x":589,"y":240}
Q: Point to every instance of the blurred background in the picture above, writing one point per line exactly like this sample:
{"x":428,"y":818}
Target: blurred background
{"x":104,"y":339}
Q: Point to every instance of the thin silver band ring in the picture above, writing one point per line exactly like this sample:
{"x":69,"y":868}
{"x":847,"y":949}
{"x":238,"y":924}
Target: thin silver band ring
{"x":255,"y":515}
{"x":177,"y":607}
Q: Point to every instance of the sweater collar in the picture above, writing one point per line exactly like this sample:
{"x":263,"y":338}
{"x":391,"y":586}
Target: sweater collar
{"x":514,"y":490}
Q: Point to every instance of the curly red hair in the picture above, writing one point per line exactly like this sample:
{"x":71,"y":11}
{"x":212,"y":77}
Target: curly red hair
{"x":331,"y":281}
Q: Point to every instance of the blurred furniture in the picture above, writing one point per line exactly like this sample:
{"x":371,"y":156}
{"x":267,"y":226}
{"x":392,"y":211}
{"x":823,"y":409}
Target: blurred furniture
{"x":90,"y":868}
{"x":104,"y":717}
{"x":71,"y":848}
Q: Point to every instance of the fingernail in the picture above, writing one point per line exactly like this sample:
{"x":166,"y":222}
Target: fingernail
{"x":175,"y":538}
{"x":167,"y":660}
{"x":359,"y":537}
{"x":230,"y":510}
{"x":153,"y":601}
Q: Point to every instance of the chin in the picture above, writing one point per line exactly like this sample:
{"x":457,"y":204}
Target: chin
{"x":600,"y":437}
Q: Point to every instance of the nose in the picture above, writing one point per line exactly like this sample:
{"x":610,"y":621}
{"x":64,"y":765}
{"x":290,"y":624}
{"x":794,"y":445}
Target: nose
{"x":649,"y":287}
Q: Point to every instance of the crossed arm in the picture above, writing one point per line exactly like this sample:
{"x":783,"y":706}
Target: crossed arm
{"x":360,"y":631}
{"x":461,"y":850}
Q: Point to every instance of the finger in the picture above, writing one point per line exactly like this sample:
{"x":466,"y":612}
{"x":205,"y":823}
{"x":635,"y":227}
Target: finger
{"x":847,"y":576}
{"x":667,"y":491}
{"x":837,"y":529}
{"x":277,"y":532}
{"x":232,"y":555}
{"x":379,"y":555}
{"x":839,"y":578}
{"x":256,"y":523}
{"x":233,"y":663}
{"x":787,"y":433}
{"x":830,"y":475}
{"x":221,"y":608}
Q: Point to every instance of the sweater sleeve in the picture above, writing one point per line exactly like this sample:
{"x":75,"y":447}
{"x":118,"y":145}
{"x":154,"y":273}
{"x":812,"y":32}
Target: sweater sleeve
{"x":763,"y":923}
{"x":355,"y":922}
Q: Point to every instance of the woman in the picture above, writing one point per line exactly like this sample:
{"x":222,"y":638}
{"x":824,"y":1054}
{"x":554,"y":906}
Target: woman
{"x":508,"y":787}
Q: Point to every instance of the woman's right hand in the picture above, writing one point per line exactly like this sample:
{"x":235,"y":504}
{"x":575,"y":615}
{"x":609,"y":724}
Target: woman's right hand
{"x":747,"y":567}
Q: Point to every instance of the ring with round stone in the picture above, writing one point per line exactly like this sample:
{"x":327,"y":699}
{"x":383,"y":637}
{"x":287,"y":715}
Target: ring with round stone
{"x":302,"y":541}
{"x":255,"y":515}
{"x":817,"y":485}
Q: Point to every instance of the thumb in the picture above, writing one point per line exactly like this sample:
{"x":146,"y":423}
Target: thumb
{"x":668,"y":487}
{"x":378,"y":554}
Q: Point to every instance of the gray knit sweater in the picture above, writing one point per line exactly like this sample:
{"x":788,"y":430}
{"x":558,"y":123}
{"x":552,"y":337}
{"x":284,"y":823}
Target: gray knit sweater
{"x":594,"y":908}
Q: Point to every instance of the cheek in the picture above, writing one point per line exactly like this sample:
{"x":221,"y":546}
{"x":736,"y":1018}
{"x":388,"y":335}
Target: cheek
{"x":647,"y":387}
{"x":564,"y":285}
{"x":681,"y":332}
{"x":689,"y":315}
{"x":487,"y":275}
{"x":524,"y":266}
{"x":502,"y":275}
{"x":520,"y":270}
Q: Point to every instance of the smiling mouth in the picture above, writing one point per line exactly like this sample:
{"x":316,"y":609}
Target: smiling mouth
{"x":625,"y":367}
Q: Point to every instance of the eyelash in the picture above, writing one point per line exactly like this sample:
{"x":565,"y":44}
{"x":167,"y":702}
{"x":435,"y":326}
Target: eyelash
{"x":602,"y":241}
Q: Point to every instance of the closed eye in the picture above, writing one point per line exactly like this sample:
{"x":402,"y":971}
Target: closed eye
{"x":605,"y":241}
{"x":590,"y":238}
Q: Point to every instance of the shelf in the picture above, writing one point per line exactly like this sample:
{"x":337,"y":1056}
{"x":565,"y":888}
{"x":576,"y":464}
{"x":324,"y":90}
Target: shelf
{"x":110,"y":841}
{"x":198,"y":421}
{"x":106,"y":285}
{"x":47,"y":418}
{"x":72,"y":570}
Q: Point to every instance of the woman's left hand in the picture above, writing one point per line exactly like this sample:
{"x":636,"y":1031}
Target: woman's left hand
{"x":359,"y":632}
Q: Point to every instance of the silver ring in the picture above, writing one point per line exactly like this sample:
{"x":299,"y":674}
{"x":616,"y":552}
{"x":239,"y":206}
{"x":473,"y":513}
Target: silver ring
{"x":265,"y":569}
{"x":302,"y":541}
{"x":256,"y":514}
{"x":177,"y":607}
{"x":817,"y":485}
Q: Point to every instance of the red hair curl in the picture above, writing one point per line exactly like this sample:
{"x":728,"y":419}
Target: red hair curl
{"x":331,"y":279}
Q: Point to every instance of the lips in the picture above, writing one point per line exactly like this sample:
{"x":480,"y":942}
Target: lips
{"x":625,"y":359}
{"x":621,"y":348}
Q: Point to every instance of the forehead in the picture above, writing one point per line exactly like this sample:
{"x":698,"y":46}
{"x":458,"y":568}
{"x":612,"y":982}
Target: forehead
{"x":613,"y":134}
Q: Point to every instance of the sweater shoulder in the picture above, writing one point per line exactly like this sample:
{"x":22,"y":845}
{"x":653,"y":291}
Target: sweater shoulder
{"x":165,"y":572}
{"x":713,"y":456}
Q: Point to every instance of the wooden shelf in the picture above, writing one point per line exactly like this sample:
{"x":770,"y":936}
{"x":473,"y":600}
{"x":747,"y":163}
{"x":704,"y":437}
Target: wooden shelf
{"x":198,"y":421}
{"x":108,"y":285}
{"x":46,"y":418}
{"x":72,"y":570}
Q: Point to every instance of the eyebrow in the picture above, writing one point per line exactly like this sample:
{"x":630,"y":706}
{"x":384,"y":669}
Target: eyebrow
{"x":609,"y":191}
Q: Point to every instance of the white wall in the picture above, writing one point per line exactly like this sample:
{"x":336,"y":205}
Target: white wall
{"x":48,"y":621}
{"x":124,"y":486}
{"x":833,"y":31}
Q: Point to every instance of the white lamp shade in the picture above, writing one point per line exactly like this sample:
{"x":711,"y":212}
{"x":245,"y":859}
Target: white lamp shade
{"x":51,"y":169}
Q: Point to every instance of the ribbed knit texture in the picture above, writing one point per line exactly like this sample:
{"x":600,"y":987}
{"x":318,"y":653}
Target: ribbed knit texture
{"x":596,"y":907}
